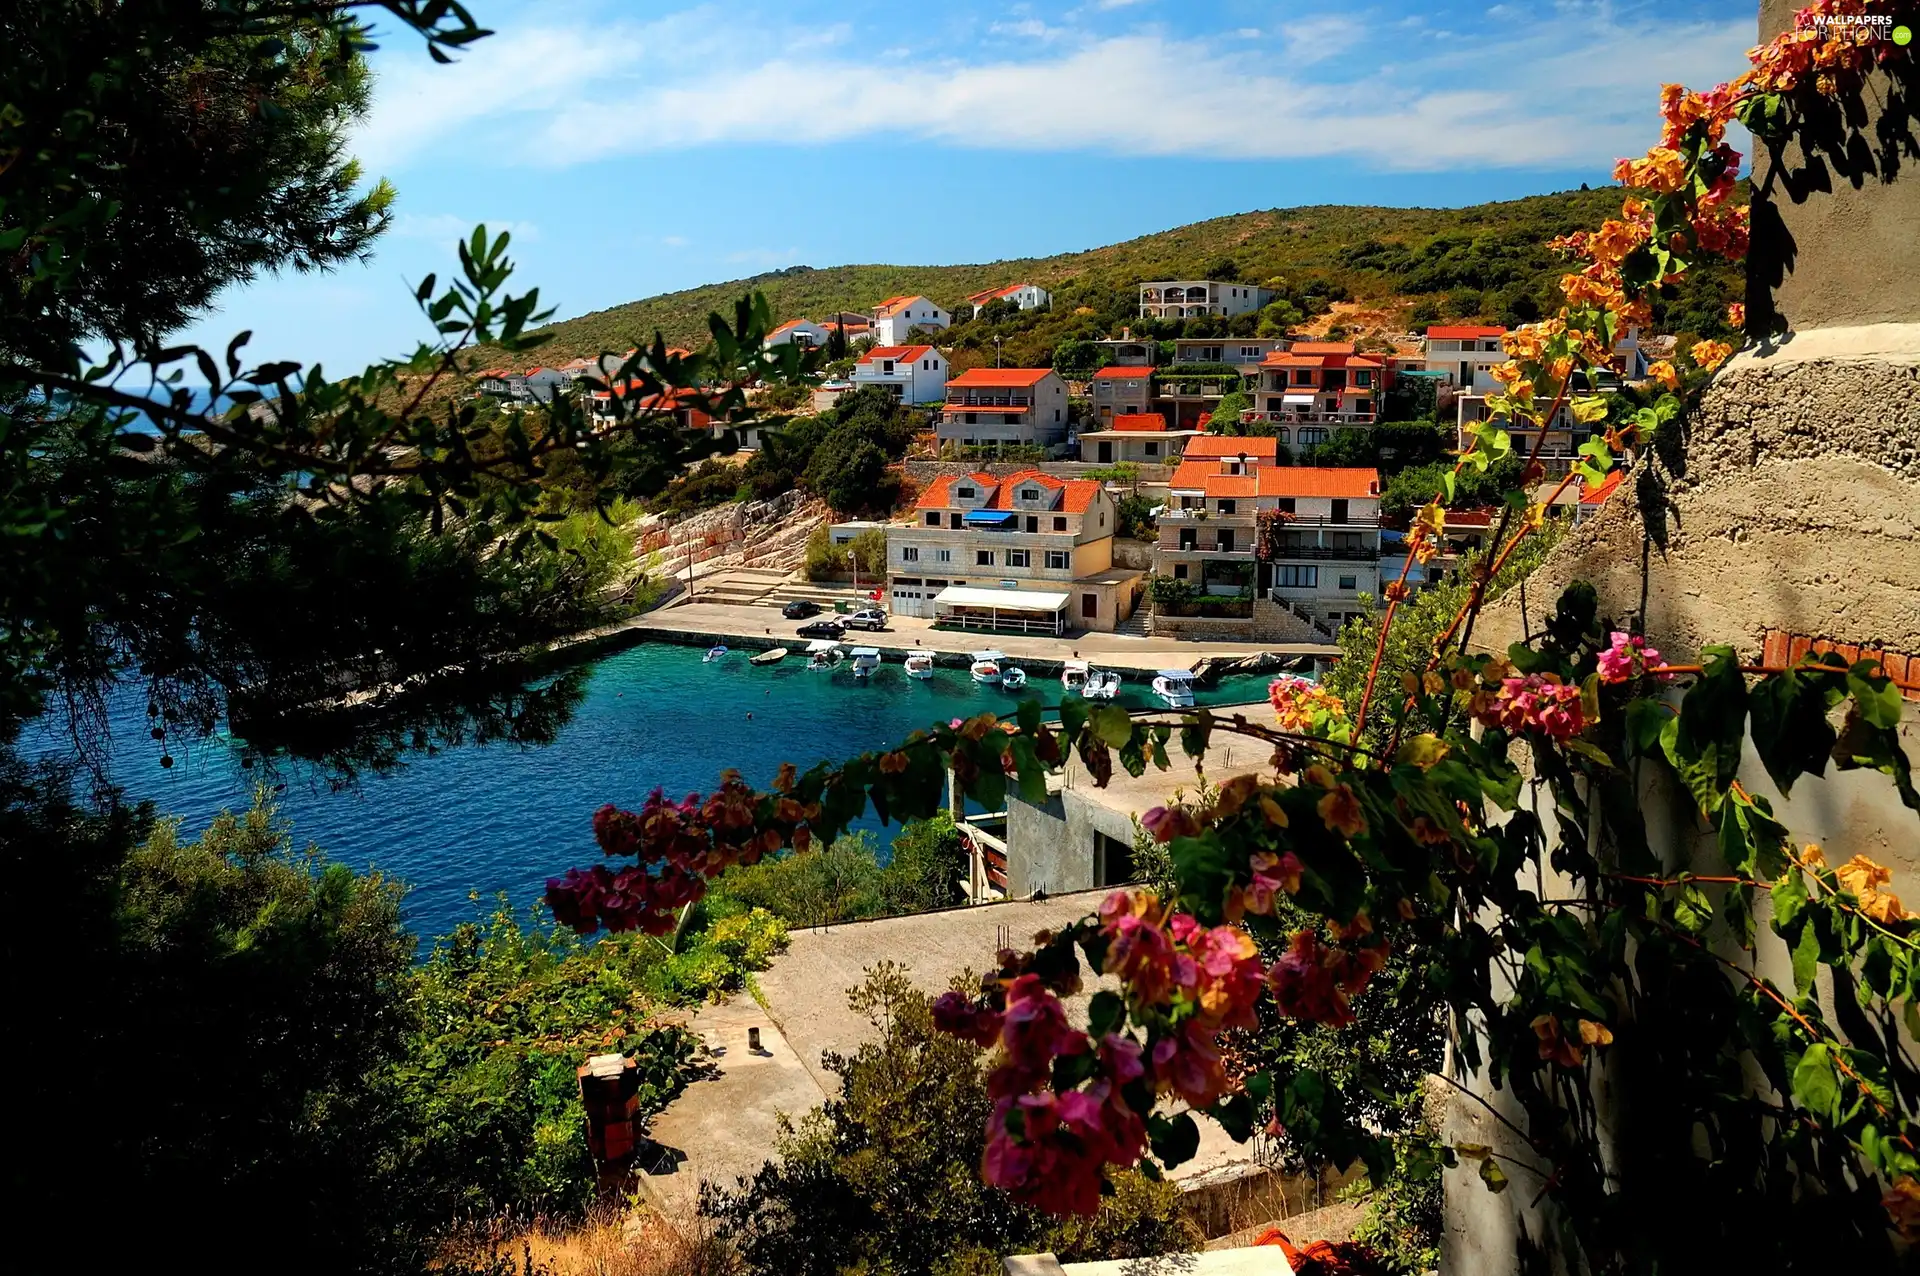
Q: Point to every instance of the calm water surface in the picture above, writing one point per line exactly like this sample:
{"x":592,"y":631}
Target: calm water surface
{"x":504,"y":818}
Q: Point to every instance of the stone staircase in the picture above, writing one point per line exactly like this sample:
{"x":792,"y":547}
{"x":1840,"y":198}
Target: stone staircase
{"x":1138,"y":625}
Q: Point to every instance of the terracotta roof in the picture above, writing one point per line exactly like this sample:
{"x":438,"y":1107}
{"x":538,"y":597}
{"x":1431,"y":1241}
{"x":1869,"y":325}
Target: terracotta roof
{"x":791,"y":323}
{"x":1288,"y":359}
{"x":1077,"y":494}
{"x":1121,"y":374}
{"x":1232,"y":485}
{"x":1141,"y":421}
{"x":1223,"y":445}
{"x":1591,"y":495}
{"x":892,"y":304}
{"x":1313,"y":480}
{"x":1464,"y":332}
{"x":1471,"y":518}
{"x":1000,"y":378}
{"x":1322,"y":347}
{"x":981,"y":298}
{"x":899,"y":354}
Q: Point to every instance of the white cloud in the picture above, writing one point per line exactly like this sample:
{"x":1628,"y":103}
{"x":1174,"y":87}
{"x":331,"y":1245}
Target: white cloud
{"x":1118,"y":4}
{"x":1027,"y":29}
{"x":675,"y":241}
{"x":1573,"y":89}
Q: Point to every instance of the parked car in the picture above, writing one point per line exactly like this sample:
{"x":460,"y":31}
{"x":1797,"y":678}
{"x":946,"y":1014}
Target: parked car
{"x":871,"y":618}
{"x":822,"y":629}
{"x":800,"y":609}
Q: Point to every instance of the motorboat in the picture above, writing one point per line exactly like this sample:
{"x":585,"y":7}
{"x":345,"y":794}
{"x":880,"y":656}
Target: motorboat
{"x":1101,"y":684}
{"x":986,"y":666}
{"x":824,"y":653}
{"x":920,"y":665}
{"x":1175,"y":686}
{"x":1012,"y":677}
{"x":865,"y":661}
{"x":1073,"y":676}
{"x":772,"y":657}
{"x":714,"y":653}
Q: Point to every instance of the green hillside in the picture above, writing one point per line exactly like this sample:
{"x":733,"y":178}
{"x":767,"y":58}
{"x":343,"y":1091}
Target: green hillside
{"x":1486,"y":261}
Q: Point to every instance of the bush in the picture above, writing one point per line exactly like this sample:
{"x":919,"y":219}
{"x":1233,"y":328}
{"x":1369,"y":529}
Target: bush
{"x":885,"y":1176}
{"x":845,"y":881}
{"x":828,"y":561}
{"x":1225,"y":417}
{"x":709,"y":484}
{"x":1133,"y":516}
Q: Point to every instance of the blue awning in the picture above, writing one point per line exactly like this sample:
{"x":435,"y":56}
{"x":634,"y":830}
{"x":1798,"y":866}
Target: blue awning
{"x":990,"y":518}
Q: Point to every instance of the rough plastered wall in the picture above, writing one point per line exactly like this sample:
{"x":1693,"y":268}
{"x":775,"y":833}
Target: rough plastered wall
{"x":1789,"y":502}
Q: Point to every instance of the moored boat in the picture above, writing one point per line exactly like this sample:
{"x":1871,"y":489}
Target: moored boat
{"x":1101,"y":685}
{"x":1012,"y":677}
{"x":920,"y":665}
{"x":1073,"y":676}
{"x":986,"y":666}
{"x":771,"y":657}
{"x":715,"y":652}
{"x":824,"y":653}
{"x":865,"y":661}
{"x":1175,"y":686}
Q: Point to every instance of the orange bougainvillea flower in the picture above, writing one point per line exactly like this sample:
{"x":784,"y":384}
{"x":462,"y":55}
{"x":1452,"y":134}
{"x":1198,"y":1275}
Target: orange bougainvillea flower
{"x":1902,"y":1203}
{"x":1862,"y":878}
{"x":1341,"y":812}
{"x":1736,"y":315}
{"x":1665,"y":373}
{"x":1710,"y":354}
{"x":1554,"y":1045}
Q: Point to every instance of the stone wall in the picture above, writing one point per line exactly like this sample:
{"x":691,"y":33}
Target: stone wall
{"x":1136,"y":555}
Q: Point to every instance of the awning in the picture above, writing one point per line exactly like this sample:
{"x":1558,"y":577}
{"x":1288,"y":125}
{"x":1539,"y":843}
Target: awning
{"x":1299,"y":396}
{"x":990,"y":518}
{"x":1004,"y":599}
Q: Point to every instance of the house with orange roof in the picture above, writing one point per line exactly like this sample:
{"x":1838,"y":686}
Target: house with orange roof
{"x":1024,"y":296}
{"x":1265,"y":538}
{"x":1313,"y":388}
{"x":1121,"y":390}
{"x":1594,"y":495}
{"x":985,"y":406}
{"x":911,"y":374}
{"x":895,"y":319}
{"x":1028,"y":552}
{"x":797,"y":332}
{"x":1559,"y":449}
{"x":1465,"y":352}
{"x":1135,"y":438}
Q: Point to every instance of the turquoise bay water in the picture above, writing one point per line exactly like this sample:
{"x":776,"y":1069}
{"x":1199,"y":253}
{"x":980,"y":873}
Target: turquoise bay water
{"x":504,"y":818}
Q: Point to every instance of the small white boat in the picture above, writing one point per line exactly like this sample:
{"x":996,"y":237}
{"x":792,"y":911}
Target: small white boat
{"x":771,"y":657}
{"x":713,"y":653}
{"x":920,"y":665}
{"x":1073,"y":676}
{"x":1101,"y":685}
{"x":824,"y":653}
{"x":1175,"y":686}
{"x":865,"y":661}
{"x":986,"y":666}
{"x":1013,"y":677}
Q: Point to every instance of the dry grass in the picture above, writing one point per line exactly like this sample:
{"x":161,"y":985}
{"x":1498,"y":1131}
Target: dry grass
{"x":610,"y":1242}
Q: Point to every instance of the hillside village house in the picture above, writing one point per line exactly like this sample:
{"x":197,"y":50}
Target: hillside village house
{"x":1121,"y":390}
{"x":1315,"y":387}
{"x":1187,"y":390}
{"x":1027,"y":552}
{"x":1127,"y":350}
{"x":852,"y":326}
{"x":1558,"y":450}
{"x":895,"y":319}
{"x":1138,"y":439}
{"x":1192,"y":298}
{"x":911,"y":374}
{"x":1321,"y":540}
{"x":1024,"y":296}
{"x":1005,"y":405}
{"x":1465,"y":352}
{"x":797,"y":332}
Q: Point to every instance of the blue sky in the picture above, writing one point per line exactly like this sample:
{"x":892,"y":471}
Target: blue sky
{"x":637,"y":148}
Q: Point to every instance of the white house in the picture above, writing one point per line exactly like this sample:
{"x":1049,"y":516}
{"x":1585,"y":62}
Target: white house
{"x":985,"y":406}
{"x":1465,"y":352}
{"x":912,"y":374}
{"x":1192,"y":298}
{"x":1024,"y":296}
{"x":895,"y":319}
{"x":800,"y":332}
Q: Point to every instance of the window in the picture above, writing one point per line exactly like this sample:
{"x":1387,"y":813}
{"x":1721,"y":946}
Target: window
{"x":1362,"y":377}
{"x":943,"y":556}
{"x":933,"y":518}
{"x":909,"y":553}
{"x":1029,"y":493}
{"x":983,"y":558}
{"x":1340,"y":512}
{"x":1249,"y":352}
{"x":1033,"y":522}
{"x":1286,"y":505}
{"x":1310,"y":435}
{"x":1152,"y":448}
{"x":1115,"y":860}
{"x":1019,"y":558}
{"x":1224,"y":540}
{"x":886,"y":367}
{"x":1226,"y":507}
{"x":1349,"y":582}
{"x":964,"y":493}
{"x":1090,"y":606}
{"x":1189,"y":538}
{"x":1295,"y":576}
{"x":1059,"y":523}
{"x":1281,"y":434}
{"x":1057,"y":560}
{"x":973,"y":418}
{"x":953,"y":520}
{"x":1056,"y":414}
{"x":1302,"y":376}
{"x":1179,"y":571}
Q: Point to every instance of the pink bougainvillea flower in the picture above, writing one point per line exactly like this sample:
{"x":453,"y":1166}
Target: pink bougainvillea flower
{"x":1627,"y":657}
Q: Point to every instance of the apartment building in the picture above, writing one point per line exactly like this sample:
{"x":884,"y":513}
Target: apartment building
{"x":1027,"y":552}
{"x":1023,"y":296}
{"x":1313,"y":388}
{"x":797,"y":332}
{"x":1127,"y":350}
{"x":1465,"y":352}
{"x":985,"y":406}
{"x":895,"y":319}
{"x":1558,"y":450}
{"x":911,"y":374}
{"x":1140,"y":438}
{"x":1121,"y":390}
{"x":1193,"y":298}
{"x":1245,"y":353}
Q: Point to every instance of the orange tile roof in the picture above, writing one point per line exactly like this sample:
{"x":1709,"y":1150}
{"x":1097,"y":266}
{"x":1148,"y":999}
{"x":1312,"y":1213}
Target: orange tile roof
{"x":791,"y":323}
{"x":899,"y":354}
{"x":1232,"y":485}
{"x":981,"y":298}
{"x":1591,"y":495}
{"x":1311,"y":480}
{"x":1077,"y":493}
{"x":1121,"y":374}
{"x":1287,"y":359}
{"x":1223,"y":445}
{"x":1000,"y":378}
{"x":1464,"y":332}
{"x":892,"y":304}
{"x":988,"y":407}
{"x":1322,"y":347}
{"x":1152,"y":422}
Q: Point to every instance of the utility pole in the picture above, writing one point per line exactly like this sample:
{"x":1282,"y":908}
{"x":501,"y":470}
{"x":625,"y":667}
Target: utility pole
{"x":996,"y":352}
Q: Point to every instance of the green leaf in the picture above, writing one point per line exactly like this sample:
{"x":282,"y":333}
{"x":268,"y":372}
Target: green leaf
{"x":1174,"y":1141}
{"x":1692,"y":910}
{"x":1815,"y":1084}
{"x":1493,"y":1176}
{"x":1874,"y":692}
{"x":1706,"y":743}
{"x":1646,"y":718}
{"x":1806,"y":956}
{"x":1790,"y":728}
{"x":1105,"y":1013}
{"x":1112,"y":725}
{"x":1789,"y":903}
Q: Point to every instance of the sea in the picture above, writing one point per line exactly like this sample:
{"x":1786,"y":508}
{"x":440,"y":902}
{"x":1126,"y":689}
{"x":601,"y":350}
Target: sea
{"x":463,"y":824}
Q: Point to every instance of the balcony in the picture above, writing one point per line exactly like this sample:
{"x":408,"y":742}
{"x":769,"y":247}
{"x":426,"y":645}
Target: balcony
{"x":1296,"y":521}
{"x":1210,"y":548}
{"x":1195,"y":389}
{"x":1244,"y":518}
{"x":991,"y":401}
{"x":1309,"y":416}
{"x":1324,"y":553}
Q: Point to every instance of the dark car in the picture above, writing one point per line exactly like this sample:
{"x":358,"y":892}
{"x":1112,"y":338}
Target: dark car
{"x":822,"y":629}
{"x":800,"y":609}
{"x":871,"y":618}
